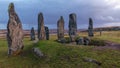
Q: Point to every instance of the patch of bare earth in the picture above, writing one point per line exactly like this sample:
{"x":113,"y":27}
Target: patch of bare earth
{"x":109,"y":45}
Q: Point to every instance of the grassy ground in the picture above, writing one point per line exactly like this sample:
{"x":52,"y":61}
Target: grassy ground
{"x":113,"y":36}
{"x":62,"y":56}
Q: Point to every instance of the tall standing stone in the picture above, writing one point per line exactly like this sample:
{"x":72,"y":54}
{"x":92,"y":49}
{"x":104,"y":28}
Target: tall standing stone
{"x":60,"y":28}
{"x":72,"y":26}
{"x":32,"y":34}
{"x":47,"y":32}
{"x":90,"y":28}
{"x":14,"y":32}
{"x":41,"y":28}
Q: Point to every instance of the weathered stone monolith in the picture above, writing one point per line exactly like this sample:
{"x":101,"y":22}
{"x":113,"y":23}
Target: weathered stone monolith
{"x":41,"y":28}
{"x":14,"y":32}
{"x":32,"y":34}
{"x":60,"y":28}
{"x":90,"y":28}
{"x":47,"y":32}
{"x":72,"y":27}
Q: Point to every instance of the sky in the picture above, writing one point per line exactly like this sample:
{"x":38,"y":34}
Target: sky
{"x":103,"y":12}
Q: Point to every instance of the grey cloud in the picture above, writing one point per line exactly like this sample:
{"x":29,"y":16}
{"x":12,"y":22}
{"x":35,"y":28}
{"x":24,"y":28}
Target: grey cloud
{"x":102,"y":12}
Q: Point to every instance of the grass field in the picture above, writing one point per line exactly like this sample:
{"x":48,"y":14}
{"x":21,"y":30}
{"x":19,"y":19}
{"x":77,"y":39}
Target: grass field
{"x":113,"y":36}
{"x":62,"y":56}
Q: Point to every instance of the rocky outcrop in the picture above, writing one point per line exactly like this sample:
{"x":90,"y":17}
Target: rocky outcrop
{"x":32,"y":34}
{"x":41,"y":28}
{"x":90,"y":28}
{"x":60,"y":28}
{"x":72,"y":27}
{"x":14,"y":32}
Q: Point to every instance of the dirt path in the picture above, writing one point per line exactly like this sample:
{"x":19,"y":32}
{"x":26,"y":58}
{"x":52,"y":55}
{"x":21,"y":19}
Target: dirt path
{"x":109,"y":45}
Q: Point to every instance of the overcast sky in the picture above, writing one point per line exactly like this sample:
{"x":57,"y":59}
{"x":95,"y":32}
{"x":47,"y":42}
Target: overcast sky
{"x":103,"y":12}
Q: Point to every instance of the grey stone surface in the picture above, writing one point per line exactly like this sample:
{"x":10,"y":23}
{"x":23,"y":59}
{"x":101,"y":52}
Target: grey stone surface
{"x":86,"y":40}
{"x":47,"y":32}
{"x":38,"y":52}
{"x":32,"y":34}
{"x":14,"y":32}
{"x":90,"y":28}
{"x":60,"y":28}
{"x":92,"y":61}
{"x":72,"y":26}
{"x":80,"y":41}
{"x":62,"y":40}
{"x":41,"y":28}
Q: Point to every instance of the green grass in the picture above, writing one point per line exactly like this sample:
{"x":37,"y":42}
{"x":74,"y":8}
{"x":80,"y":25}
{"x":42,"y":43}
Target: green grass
{"x":113,"y":36}
{"x":60,"y":55}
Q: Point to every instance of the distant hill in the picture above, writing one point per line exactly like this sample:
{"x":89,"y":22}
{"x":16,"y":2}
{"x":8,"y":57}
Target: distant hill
{"x":113,"y":28}
{"x":54,"y":31}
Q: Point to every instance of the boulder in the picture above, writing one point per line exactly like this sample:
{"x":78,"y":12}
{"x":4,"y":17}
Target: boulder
{"x":86,"y":40}
{"x":62,"y":40}
{"x":80,"y":41}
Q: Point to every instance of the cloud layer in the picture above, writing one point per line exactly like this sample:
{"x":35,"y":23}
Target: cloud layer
{"x":103,"y":12}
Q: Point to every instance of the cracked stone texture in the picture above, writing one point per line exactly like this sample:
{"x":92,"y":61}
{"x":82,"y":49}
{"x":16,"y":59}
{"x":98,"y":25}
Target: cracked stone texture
{"x":32,"y":34}
{"x":60,"y":28}
{"x":72,"y":27}
{"x":41,"y":28}
{"x":90,"y":28}
{"x":14,"y":32}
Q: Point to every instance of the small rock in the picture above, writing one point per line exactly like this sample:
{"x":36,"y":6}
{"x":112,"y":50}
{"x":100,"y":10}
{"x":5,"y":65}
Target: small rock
{"x":92,"y":61}
{"x":38,"y":52}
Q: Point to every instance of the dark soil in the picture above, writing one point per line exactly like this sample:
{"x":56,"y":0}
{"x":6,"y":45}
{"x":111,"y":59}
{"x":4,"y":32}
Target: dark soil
{"x":109,"y":45}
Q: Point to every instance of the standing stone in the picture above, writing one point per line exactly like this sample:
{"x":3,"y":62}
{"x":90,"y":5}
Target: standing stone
{"x":90,"y":28}
{"x":14,"y":32}
{"x":47,"y":32}
{"x":41,"y":28}
{"x":60,"y":28}
{"x":32,"y":34}
{"x":72,"y":27}
{"x":100,"y":32}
